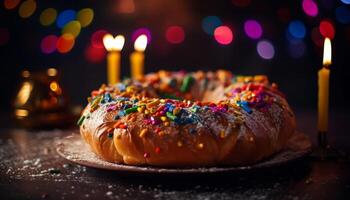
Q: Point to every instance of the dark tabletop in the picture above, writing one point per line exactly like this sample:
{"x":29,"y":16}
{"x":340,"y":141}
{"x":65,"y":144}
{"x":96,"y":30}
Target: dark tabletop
{"x":30,"y":168}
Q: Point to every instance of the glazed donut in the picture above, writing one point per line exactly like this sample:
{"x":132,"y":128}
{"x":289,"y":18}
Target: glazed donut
{"x":178,"y":119}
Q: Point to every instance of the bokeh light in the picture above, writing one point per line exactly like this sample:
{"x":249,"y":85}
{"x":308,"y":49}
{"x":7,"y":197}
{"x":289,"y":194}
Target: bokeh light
{"x":346,"y":1}
{"x":94,"y":55}
{"x":316,"y":37}
{"x":96,"y":39}
{"x":241,"y":3}
{"x":342,"y":14}
{"x":65,"y":17}
{"x":141,"y":31}
{"x":265,"y":49}
{"x":48,"y":44}
{"x":175,"y":34}
{"x":72,"y":27}
{"x":65,"y":43}
{"x":11,"y":4}
{"x":223,"y":35}
{"x":327,"y":29}
{"x":296,"y":48}
{"x":48,"y":16}
{"x":27,"y":8}
{"x":253,"y":29}
{"x":210,"y":23}
{"x":297,"y":29}
{"x":4,"y":36}
{"x":85,"y":16}
{"x":310,"y":8}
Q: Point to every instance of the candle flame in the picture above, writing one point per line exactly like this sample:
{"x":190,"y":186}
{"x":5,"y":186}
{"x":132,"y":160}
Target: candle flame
{"x":327,"y":52}
{"x":113,"y":44}
{"x":140,"y":43}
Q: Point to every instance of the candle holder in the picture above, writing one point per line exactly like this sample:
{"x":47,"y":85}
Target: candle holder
{"x":41,"y":102}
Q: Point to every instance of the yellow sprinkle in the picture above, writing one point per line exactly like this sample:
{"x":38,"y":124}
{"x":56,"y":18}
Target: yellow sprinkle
{"x":146,"y":112}
{"x":143,"y":132}
{"x":130,"y":89}
{"x":179,"y":144}
{"x":162,"y":100}
{"x":200,"y":146}
{"x":141,"y":109}
{"x":153,"y":103}
{"x":166,"y":123}
{"x":163,"y":118}
{"x":222,"y":134}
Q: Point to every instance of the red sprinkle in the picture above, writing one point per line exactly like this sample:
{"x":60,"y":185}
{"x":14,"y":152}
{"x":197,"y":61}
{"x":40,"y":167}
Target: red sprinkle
{"x":123,"y":126}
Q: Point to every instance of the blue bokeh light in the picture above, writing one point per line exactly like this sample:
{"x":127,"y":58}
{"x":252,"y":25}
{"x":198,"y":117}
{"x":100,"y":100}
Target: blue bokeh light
{"x":65,"y":17}
{"x":297,"y":29}
{"x":342,"y":13}
{"x":210,"y":23}
{"x":346,"y":1}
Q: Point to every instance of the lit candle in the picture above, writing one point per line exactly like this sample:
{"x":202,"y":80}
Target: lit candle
{"x":137,"y":57}
{"x":113,"y":46}
{"x":323,"y":88}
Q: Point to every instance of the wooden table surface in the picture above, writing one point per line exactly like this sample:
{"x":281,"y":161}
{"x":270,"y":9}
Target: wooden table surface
{"x":30,"y":168}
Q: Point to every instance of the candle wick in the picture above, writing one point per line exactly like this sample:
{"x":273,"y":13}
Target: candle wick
{"x":326,"y":66}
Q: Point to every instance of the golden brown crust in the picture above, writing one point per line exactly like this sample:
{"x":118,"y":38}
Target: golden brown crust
{"x":233,"y":137}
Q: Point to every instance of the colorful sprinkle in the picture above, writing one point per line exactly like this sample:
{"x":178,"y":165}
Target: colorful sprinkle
{"x":143,"y":133}
{"x":81,"y":120}
{"x":171,"y":116}
{"x":131,"y":110}
{"x":186,"y":84}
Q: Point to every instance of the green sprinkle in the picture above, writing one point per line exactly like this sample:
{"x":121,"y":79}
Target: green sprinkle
{"x":81,"y":120}
{"x":171,"y":116}
{"x":131,"y":110}
{"x":96,"y":101}
{"x":186,"y":84}
{"x":110,"y":135}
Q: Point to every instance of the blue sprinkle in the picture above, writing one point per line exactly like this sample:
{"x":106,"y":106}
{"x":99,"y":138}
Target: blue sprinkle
{"x":126,"y":106}
{"x":121,"y":113}
{"x":244,"y":105}
{"x":107,"y":97}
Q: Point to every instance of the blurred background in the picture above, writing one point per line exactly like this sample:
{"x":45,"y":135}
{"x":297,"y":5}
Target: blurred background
{"x":282,"y":39}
